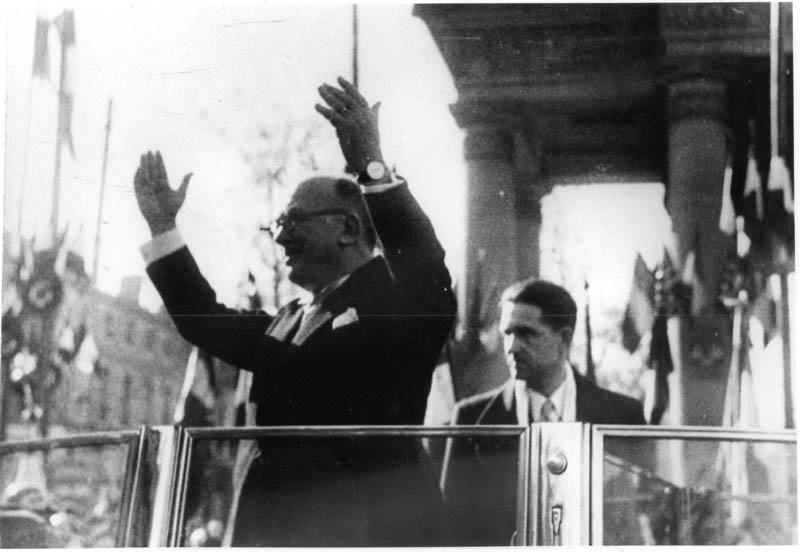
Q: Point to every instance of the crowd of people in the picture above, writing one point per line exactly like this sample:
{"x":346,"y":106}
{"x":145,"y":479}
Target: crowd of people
{"x":362,"y":351}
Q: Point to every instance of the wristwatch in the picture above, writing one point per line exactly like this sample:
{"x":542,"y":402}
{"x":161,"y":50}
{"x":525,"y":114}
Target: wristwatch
{"x":374,"y":171}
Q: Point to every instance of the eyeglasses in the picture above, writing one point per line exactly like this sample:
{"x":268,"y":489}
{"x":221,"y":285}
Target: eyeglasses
{"x":291,"y":219}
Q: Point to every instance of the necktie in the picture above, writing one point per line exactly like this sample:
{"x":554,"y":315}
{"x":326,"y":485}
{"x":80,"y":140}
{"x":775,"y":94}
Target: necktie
{"x":294,"y":329}
{"x":549,"y":413}
{"x":312,"y":317}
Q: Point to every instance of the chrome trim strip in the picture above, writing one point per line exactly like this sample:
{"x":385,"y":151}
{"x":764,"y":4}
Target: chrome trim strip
{"x":596,"y":483}
{"x":694,"y":433}
{"x":355,"y":431}
{"x":164,"y":475}
{"x":131,"y":495}
{"x":79,"y":440}
{"x":180,"y":478}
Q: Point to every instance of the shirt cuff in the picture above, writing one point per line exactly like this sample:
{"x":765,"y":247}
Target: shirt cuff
{"x":378,"y":188}
{"x":161,"y":246}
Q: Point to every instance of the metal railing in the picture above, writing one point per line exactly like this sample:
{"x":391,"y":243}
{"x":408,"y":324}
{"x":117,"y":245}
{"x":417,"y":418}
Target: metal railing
{"x":561,"y":498}
{"x":131,"y":498}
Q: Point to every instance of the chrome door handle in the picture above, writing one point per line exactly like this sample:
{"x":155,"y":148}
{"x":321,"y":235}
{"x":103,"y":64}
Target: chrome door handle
{"x":556,"y":515}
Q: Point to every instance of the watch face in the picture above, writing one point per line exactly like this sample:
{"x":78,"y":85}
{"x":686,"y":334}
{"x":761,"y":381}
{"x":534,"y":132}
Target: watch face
{"x":376,"y":170}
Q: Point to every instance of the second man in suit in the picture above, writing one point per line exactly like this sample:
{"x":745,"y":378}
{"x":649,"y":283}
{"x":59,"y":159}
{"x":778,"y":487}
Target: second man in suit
{"x":479,"y":476}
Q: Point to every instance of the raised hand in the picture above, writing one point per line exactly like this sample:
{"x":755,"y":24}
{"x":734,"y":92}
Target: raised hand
{"x":158,"y":202}
{"x":356,"y":123}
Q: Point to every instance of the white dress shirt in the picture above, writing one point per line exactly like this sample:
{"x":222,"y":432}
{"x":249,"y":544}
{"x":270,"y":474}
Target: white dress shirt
{"x":530,"y":402}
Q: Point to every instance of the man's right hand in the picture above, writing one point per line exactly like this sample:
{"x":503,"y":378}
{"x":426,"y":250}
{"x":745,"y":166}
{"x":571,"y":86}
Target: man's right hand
{"x":158,"y":202}
{"x":356,"y":123}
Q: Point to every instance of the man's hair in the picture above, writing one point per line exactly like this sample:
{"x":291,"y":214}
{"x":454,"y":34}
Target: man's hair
{"x":349,"y":193}
{"x":558,"y":307}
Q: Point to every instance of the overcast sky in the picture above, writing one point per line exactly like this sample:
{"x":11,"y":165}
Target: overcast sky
{"x":192,"y":80}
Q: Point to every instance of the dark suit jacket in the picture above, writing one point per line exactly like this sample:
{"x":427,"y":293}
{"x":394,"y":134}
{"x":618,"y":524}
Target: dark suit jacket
{"x":479,"y":475}
{"x":376,"y":370}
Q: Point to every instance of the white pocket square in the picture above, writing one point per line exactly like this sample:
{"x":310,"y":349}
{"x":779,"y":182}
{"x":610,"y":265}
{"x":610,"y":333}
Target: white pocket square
{"x":347,"y":317}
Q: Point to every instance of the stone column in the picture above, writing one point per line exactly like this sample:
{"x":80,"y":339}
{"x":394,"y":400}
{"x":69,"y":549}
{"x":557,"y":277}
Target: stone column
{"x":491,"y":259}
{"x":696,"y":167}
{"x":531,"y":188}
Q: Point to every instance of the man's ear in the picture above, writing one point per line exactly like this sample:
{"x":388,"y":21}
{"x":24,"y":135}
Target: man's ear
{"x":352,"y":230}
{"x":566,"y":334}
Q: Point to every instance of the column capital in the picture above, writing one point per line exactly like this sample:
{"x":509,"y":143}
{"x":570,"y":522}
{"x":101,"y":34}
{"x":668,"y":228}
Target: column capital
{"x":489,"y":143}
{"x":697,"y":97}
{"x":488,"y":111}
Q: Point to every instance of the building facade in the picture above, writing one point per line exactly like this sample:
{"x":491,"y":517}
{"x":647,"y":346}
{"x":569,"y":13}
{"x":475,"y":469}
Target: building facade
{"x":678,"y":94}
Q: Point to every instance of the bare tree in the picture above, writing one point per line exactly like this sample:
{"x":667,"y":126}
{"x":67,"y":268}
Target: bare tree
{"x":279,"y":154}
{"x":278,"y":157}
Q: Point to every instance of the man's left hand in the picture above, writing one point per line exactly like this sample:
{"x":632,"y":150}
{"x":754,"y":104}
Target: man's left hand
{"x":355,"y":122}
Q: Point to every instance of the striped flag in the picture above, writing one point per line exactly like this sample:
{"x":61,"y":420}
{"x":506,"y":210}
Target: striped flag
{"x":752,"y":186}
{"x":727,"y":215}
{"x":639,"y":313}
{"x":779,"y":185}
{"x":199,"y":394}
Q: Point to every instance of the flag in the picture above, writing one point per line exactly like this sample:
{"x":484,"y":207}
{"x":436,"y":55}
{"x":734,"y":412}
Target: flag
{"x":660,"y":361}
{"x":780,"y":181}
{"x":199,"y":394}
{"x":668,"y":300}
{"x":87,"y":355}
{"x":65,"y":23}
{"x":639,"y":313}
{"x":752,"y":186}
{"x":727,"y":216}
{"x":779,"y":202}
{"x":41,"y":54}
{"x":749,"y":185}
{"x":739,"y":411}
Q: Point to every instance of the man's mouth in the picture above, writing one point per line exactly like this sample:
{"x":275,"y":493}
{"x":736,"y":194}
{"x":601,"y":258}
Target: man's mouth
{"x":292,"y":254}
{"x":519,"y":365}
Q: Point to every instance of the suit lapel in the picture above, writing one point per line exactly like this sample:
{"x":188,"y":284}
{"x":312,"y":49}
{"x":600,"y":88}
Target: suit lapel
{"x":362,"y":290}
{"x":287,"y":322}
{"x":500,"y":410}
{"x":365,"y":290}
{"x":588,"y":400}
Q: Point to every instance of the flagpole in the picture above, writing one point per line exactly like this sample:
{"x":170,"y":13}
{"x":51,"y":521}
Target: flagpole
{"x":44,"y":422}
{"x":779,"y":179}
{"x":786,"y":336}
{"x":21,"y":209}
{"x":774,"y":66}
{"x":589,"y":360}
{"x":56,"y":196}
{"x":355,"y":45}
{"x":96,"y":261}
{"x":40,"y":67}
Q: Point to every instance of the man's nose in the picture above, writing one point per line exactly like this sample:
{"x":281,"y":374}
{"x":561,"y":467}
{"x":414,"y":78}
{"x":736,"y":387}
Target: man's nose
{"x":282,"y":236}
